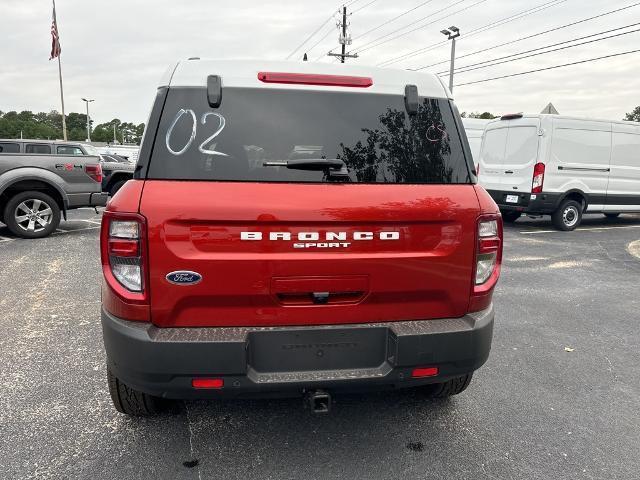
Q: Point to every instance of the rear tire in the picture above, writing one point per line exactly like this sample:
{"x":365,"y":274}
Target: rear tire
{"x":612,"y":216}
{"x":451,"y":387}
{"x":130,"y":401}
{"x":510,"y":216}
{"x":568,"y":216}
{"x":32,"y":214}
{"x":116,"y":186}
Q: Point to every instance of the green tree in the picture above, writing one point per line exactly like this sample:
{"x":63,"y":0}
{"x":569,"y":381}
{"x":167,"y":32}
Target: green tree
{"x":634,"y":116}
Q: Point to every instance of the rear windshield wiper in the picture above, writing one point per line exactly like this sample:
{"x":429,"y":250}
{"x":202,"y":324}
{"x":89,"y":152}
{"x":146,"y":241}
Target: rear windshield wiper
{"x":309,"y":164}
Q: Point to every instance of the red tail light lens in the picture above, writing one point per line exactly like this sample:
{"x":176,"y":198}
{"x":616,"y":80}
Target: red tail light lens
{"x":123,"y":248}
{"x":488,"y":260}
{"x":94,"y":170}
{"x":538,"y":178}
{"x":315,"y":79}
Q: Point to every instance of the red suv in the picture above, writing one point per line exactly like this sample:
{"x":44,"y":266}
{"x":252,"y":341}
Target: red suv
{"x":297,"y":228}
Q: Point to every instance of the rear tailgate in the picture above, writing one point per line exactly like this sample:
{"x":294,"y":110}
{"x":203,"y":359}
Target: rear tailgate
{"x":380,"y":252}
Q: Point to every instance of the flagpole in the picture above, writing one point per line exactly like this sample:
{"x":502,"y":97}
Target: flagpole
{"x":64,"y":121}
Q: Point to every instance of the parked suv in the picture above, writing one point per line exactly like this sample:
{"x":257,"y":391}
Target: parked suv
{"x":297,"y":228}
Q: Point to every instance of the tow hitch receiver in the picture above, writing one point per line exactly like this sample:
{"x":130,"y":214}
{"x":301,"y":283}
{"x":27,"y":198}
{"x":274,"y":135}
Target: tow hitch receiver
{"x":319,"y":401}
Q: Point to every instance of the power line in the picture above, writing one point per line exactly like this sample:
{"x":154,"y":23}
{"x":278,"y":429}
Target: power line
{"x":364,"y":6}
{"x":366,"y":47}
{"x":392,"y":19}
{"x":481,"y":65}
{"x":478,"y":30}
{"x":318,"y":43}
{"x":534,"y":35}
{"x":309,"y":37}
{"x":549,"y":68}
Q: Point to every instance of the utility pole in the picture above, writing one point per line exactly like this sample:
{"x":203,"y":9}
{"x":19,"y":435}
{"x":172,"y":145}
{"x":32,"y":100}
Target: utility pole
{"x":87,"y":101}
{"x":343,"y":39}
{"x":452,"y":33}
{"x":115,"y":140}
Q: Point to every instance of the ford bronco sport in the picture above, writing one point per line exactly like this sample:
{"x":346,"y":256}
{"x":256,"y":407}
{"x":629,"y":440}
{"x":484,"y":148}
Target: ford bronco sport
{"x":297,"y":228}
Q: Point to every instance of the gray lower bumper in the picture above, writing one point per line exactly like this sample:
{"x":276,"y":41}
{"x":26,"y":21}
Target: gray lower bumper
{"x":163,"y":361}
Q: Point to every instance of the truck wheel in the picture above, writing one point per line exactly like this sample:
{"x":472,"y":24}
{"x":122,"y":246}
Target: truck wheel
{"x":568,"y":216}
{"x":116,"y":186}
{"x":452,"y":387}
{"x":32,"y":214}
{"x":612,"y":216}
{"x":130,"y":401}
{"x":510,"y":216}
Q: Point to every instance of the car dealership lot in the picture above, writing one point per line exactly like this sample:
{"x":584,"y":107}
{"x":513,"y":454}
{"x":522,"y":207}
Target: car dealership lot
{"x":559,"y":397}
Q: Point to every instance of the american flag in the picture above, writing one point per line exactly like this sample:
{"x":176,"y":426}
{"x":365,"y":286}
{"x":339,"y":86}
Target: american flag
{"x":56,"y":49}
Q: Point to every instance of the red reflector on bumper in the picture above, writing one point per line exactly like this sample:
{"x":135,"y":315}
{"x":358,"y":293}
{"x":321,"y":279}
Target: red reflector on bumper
{"x":214,"y":383}
{"x":424,"y":372}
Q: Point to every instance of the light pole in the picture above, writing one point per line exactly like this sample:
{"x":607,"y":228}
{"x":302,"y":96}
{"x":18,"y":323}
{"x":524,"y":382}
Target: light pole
{"x":87,"y":101}
{"x":452,"y":33}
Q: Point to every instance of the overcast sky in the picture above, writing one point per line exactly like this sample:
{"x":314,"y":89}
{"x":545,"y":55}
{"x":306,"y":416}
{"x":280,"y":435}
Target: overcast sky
{"x":115,"y":51}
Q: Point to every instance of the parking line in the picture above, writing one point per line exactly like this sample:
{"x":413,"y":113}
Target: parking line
{"x":75,"y":230}
{"x":91,"y":221}
{"x":587,"y":229}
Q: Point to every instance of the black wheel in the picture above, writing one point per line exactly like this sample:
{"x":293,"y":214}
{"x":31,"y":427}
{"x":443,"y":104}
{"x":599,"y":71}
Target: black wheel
{"x":568,"y":216}
{"x":32,"y":214}
{"x":510,"y":216}
{"x":612,"y":216}
{"x":130,"y":401}
{"x":452,"y":387}
{"x":116,"y":186}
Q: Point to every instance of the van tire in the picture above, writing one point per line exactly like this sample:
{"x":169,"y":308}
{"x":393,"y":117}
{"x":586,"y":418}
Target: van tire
{"x":451,"y":387}
{"x":510,"y":216}
{"x":27,"y":198}
{"x":129,"y":401}
{"x":612,"y":216}
{"x":568,"y":216}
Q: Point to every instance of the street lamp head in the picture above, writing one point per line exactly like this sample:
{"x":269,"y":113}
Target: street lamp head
{"x":84,"y":100}
{"x":454,"y":29}
{"x":445,"y":32}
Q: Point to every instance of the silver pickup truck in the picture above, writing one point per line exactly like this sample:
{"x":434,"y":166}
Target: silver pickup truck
{"x":41,"y":180}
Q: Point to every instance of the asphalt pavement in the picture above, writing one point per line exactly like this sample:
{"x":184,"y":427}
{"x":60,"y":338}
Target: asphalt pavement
{"x":558,"y":398}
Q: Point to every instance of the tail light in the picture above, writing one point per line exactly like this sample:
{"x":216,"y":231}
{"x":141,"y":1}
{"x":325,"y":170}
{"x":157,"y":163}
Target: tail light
{"x":488,"y":261}
{"x":94,"y":170}
{"x":538,"y":178}
{"x":124,"y":264}
{"x":315,"y":79}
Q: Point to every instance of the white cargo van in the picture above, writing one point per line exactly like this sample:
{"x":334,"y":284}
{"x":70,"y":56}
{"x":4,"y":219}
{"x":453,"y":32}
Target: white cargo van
{"x":561,"y":166}
{"x":474,"y":128}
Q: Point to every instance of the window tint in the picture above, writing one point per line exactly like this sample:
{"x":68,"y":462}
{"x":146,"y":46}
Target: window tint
{"x":37,"y":148}
{"x":9,"y":147}
{"x":69,"y":150}
{"x":371,"y":133}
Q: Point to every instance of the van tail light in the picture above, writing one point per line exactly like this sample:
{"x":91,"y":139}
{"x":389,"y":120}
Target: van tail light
{"x":94,"y":170}
{"x":315,"y":79}
{"x":538,"y":178}
{"x":488,"y":260}
{"x":123,"y":248}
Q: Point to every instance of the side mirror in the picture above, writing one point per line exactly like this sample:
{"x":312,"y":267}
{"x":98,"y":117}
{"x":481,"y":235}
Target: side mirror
{"x":214,"y":90}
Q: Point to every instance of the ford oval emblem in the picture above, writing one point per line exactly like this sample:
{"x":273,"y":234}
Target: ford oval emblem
{"x":183,"y":277}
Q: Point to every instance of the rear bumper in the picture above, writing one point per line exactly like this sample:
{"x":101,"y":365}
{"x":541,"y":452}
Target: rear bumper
{"x":255,"y":361}
{"x":528,"y":203}
{"x":96,"y":199}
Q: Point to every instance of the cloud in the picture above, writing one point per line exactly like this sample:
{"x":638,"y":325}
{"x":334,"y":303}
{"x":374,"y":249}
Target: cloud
{"x":116,"y":51}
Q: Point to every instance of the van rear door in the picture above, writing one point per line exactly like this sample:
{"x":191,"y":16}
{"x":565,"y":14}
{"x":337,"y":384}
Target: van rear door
{"x":521,"y":155}
{"x":243,"y":195}
{"x":492,"y":156}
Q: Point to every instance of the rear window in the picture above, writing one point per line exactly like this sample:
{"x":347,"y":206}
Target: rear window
{"x":370,"y":133}
{"x":69,"y":150}
{"x":9,"y":147}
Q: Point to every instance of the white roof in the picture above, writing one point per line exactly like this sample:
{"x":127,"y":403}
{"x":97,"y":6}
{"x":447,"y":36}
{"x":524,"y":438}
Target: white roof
{"x":569,"y":117}
{"x":474,"y":123}
{"x":244,"y":73}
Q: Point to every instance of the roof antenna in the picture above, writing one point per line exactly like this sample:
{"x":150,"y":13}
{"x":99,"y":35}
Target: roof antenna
{"x":304,"y":59}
